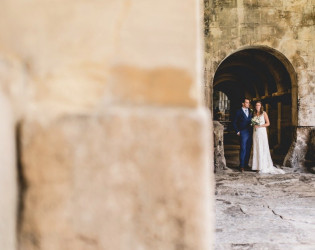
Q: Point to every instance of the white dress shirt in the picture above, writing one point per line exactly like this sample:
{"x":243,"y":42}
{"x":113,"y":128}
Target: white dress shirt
{"x":246,"y":111}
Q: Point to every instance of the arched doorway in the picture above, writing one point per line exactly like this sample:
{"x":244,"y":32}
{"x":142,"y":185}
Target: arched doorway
{"x":258,"y":73}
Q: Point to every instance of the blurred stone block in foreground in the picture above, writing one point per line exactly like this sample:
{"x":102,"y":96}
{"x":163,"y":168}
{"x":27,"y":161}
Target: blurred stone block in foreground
{"x":126,"y":179}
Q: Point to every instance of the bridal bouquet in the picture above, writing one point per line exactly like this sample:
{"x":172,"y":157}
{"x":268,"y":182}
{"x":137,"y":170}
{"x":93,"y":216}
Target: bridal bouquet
{"x":255,"y":121}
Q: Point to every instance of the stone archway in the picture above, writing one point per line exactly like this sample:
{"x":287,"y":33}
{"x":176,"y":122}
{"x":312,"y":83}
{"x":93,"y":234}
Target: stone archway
{"x":258,"y":73}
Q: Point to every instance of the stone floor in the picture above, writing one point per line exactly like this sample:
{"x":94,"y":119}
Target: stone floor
{"x":256,"y":211}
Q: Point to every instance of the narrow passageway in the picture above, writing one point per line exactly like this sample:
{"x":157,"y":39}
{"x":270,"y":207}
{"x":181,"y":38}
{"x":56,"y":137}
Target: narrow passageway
{"x":255,"y":211}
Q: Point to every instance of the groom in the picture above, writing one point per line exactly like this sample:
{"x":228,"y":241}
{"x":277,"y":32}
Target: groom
{"x":241,"y":124}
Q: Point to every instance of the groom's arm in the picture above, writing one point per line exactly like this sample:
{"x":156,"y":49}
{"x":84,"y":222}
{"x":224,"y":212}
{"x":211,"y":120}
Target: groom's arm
{"x":235,"y":122}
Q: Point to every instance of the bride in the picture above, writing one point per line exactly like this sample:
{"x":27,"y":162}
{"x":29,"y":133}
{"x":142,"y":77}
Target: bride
{"x":262,"y":161}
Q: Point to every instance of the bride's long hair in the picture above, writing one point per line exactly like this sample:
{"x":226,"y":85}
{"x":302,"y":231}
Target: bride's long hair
{"x":261,"y":111}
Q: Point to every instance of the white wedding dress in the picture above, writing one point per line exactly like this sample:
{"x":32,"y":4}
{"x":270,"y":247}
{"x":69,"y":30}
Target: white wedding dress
{"x":261,"y":159}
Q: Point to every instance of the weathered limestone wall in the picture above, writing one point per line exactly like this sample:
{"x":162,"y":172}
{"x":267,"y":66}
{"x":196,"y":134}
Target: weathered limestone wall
{"x":287,"y":26}
{"x":114,"y":139}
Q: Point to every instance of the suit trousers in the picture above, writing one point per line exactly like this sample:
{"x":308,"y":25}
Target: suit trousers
{"x":246,"y":145}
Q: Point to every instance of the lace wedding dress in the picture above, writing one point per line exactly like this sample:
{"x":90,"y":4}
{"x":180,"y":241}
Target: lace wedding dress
{"x":261,"y":155}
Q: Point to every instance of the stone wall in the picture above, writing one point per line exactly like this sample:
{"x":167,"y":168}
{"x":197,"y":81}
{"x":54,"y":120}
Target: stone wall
{"x":114,"y":142}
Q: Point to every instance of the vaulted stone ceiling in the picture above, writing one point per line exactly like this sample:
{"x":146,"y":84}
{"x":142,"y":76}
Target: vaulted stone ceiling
{"x":254,"y":73}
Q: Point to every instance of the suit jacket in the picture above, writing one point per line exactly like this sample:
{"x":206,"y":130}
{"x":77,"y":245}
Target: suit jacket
{"x":241,"y":121}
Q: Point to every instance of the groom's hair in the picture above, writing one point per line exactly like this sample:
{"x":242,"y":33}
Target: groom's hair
{"x":244,"y":99}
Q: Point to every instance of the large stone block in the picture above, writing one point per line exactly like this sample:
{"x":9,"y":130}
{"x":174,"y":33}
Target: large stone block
{"x":127,"y":179}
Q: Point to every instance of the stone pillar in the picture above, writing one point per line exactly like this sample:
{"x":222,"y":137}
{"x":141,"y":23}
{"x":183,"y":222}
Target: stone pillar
{"x":219,"y":158}
{"x":295,"y":157}
{"x":134,"y":171}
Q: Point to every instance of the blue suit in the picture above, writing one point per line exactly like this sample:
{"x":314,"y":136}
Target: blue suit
{"x":241,"y":123}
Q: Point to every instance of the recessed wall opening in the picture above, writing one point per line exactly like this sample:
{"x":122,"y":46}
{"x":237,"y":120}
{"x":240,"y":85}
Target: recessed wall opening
{"x":258,"y":73}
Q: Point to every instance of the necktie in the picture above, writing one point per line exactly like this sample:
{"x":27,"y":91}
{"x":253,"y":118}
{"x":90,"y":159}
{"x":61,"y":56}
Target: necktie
{"x":246,"y":112}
